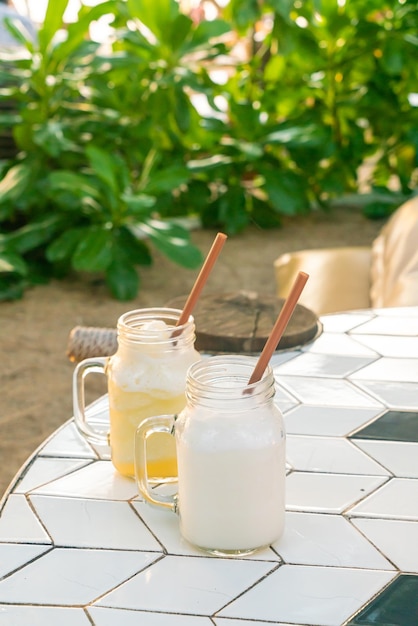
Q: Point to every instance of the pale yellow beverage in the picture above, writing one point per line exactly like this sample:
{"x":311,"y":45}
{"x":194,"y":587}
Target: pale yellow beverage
{"x":127,"y":410}
{"x":147,"y":377}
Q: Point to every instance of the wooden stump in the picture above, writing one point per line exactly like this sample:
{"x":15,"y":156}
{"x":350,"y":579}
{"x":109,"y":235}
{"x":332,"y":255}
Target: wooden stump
{"x":238,"y":322}
{"x":241,"y":321}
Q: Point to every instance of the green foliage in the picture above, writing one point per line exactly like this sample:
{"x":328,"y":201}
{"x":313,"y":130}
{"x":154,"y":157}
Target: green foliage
{"x":114,"y":142}
{"x":332,"y":82}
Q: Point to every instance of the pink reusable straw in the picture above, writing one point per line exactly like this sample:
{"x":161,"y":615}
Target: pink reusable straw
{"x":279,"y":327}
{"x":202,"y":278}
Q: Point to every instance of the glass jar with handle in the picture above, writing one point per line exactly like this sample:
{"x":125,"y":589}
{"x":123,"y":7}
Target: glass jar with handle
{"x":230,"y":443}
{"x":146,"y":376}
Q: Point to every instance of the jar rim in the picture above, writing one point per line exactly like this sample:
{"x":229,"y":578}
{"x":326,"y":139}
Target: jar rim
{"x":131,"y":325}
{"x":228,"y":375}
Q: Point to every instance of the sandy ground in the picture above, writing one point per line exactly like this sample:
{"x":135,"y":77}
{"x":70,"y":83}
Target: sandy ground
{"x":35,"y":373}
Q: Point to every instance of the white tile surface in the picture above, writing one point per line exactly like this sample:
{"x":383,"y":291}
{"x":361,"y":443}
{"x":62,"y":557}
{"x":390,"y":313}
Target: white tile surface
{"x":389,"y":346}
{"x":69,"y":443}
{"x":191,"y":585}
{"x":226,"y":621}
{"x":165,"y":525}
{"x":100,"y":524}
{"x":332,"y":365}
{"x":327,"y":392}
{"x":334,"y":455}
{"x":400,"y":311}
{"x":343,"y":322}
{"x":282,"y":357}
{"x":388,"y":324}
{"x":397,"y":539}
{"x":339,"y":344}
{"x":19,"y":523}
{"x":327,"y":493}
{"x":72,"y":577}
{"x":284,"y":400}
{"x":327,"y":420}
{"x":45,"y":470}
{"x":99,"y":480}
{"x":14,"y":555}
{"x":308,"y":595}
{"x":119,"y":617}
{"x":397,"y":499}
{"x":12,"y":615}
{"x":397,"y":312}
{"x":390,"y":369}
{"x":98,"y":411}
{"x":329,"y":540}
{"x":397,"y":395}
{"x":400,"y":457}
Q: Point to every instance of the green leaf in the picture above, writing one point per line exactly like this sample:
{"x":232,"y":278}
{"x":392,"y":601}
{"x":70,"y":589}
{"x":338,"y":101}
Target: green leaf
{"x":74,"y":183}
{"x":282,"y":7}
{"x":104,"y":166}
{"x":12,"y":263}
{"x":173,"y":241}
{"x":94,"y":251}
{"x":15,"y":183}
{"x":50,"y":137}
{"x":251,"y":150}
{"x":138,"y":204}
{"x":122,"y":280}
{"x":129,"y":248}
{"x":34,"y":234}
{"x":64,"y":246}
{"x":209,"y":163}
{"x":232,"y":211}
{"x":78,"y":30}
{"x":208,"y":30}
{"x":19,"y":31}
{"x":298,"y":136}
{"x":167,"y":179}
{"x":52,"y":23}
{"x":180,"y":29}
{"x":275,"y":69}
{"x":264,"y":216}
{"x":243,"y":13}
{"x":155,"y":14}
{"x":326,"y":9}
{"x":181,"y":109}
{"x":393,"y":57}
{"x":286,"y":193}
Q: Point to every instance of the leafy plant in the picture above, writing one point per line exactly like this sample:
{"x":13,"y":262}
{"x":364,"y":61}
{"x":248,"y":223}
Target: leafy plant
{"x":68,"y":202}
{"x":114,"y":142}
{"x":325,"y":89}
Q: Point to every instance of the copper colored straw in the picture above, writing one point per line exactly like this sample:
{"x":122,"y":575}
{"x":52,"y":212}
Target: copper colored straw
{"x":279,"y":327}
{"x":202,"y":278}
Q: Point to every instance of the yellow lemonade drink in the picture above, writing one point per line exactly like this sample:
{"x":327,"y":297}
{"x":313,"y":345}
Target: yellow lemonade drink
{"x":128,"y":409}
{"x":147,"y":377}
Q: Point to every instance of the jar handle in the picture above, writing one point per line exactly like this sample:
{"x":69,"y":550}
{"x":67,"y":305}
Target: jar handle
{"x":150,"y":426}
{"x":95,"y":365}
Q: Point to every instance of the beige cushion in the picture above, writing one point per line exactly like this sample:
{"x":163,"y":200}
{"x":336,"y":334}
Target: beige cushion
{"x":339,"y":278}
{"x":394,"y":263}
{"x":346,"y":278}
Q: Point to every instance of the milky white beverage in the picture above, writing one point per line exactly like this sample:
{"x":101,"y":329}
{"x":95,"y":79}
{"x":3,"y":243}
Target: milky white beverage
{"x":146,"y":376}
{"x":231,"y":458}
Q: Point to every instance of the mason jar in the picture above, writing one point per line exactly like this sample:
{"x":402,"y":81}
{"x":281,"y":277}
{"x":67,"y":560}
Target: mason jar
{"x":230,"y":442}
{"x":146,"y":376}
